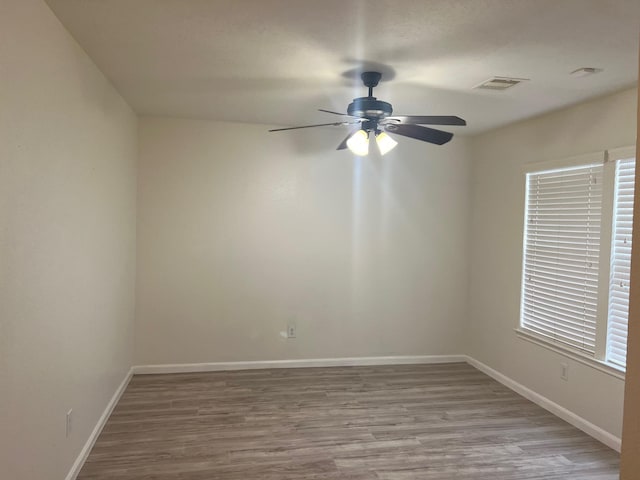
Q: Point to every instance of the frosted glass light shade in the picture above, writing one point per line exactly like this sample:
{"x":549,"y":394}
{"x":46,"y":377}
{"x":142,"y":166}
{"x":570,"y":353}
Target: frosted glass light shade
{"x":359,"y":143}
{"x":385,"y":143}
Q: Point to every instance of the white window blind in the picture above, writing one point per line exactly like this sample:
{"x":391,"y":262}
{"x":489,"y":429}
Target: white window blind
{"x":620,"y":263}
{"x":561,"y":255}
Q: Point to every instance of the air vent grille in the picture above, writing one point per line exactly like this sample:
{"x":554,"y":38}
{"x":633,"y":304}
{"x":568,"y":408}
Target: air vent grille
{"x":500,"y":83}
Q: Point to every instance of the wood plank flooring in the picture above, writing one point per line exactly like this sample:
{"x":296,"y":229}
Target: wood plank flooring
{"x":408,"y":422}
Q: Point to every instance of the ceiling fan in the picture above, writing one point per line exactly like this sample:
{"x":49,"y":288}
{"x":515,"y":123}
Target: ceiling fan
{"x":370,"y":116}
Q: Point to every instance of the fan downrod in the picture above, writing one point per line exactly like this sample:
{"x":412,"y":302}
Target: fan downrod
{"x":370,"y":80}
{"x":369,"y":107}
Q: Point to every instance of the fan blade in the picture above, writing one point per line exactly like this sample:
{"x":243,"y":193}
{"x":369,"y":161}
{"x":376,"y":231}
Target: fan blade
{"x":334,"y":113}
{"x":427,"y":120}
{"x":336,"y":124}
{"x":343,"y":144}
{"x":425,"y":134}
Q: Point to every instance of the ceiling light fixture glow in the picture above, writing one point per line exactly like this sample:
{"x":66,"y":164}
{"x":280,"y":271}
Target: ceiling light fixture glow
{"x":359,"y":143}
{"x":385,"y":143}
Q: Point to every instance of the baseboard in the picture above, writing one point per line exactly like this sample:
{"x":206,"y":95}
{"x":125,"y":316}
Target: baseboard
{"x":303,"y":363}
{"x":84,"y":453}
{"x":568,"y":416}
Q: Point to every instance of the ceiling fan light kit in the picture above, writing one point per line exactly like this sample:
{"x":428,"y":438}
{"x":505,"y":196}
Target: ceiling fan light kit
{"x":385,"y":143}
{"x":358,"y":143}
{"x":374,"y":116}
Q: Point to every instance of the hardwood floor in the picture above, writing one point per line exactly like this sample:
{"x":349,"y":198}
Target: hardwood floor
{"x":344,"y":423}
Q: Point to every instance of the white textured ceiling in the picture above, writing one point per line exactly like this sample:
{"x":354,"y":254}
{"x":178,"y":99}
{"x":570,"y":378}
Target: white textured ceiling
{"x":277,"y":61}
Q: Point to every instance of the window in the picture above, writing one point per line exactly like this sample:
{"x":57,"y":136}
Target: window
{"x":620,"y":263}
{"x":577,"y":251}
{"x":562,"y":249}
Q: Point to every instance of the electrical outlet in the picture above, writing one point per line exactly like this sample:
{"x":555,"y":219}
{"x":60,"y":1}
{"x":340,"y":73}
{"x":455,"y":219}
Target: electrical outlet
{"x":291,"y":330}
{"x":69,"y":423}
{"x":564,"y":372}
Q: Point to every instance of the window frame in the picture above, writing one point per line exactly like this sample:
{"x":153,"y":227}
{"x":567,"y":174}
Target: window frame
{"x":607,"y":159}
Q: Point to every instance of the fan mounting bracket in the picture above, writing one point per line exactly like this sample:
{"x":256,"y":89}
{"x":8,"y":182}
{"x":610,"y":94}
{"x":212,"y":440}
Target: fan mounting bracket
{"x":371,"y":79}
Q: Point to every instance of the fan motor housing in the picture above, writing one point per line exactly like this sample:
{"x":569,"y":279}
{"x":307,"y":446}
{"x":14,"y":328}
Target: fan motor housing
{"x":369,"y":107}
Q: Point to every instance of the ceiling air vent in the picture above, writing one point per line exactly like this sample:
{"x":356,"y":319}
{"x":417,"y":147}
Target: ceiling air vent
{"x":500,"y":83}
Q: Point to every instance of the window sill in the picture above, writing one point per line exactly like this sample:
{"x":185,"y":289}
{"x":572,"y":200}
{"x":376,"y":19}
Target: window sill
{"x":590,"y":362}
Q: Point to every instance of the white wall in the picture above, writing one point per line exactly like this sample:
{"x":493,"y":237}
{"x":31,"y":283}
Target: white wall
{"x":496,"y":250}
{"x":67,"y":242}
{"x":241,"y":231}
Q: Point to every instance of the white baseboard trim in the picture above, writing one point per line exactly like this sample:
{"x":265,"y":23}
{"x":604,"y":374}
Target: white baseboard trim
{"x":84,"y":453}
{"x":568,"y":416}
{"x":303,"y":363}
